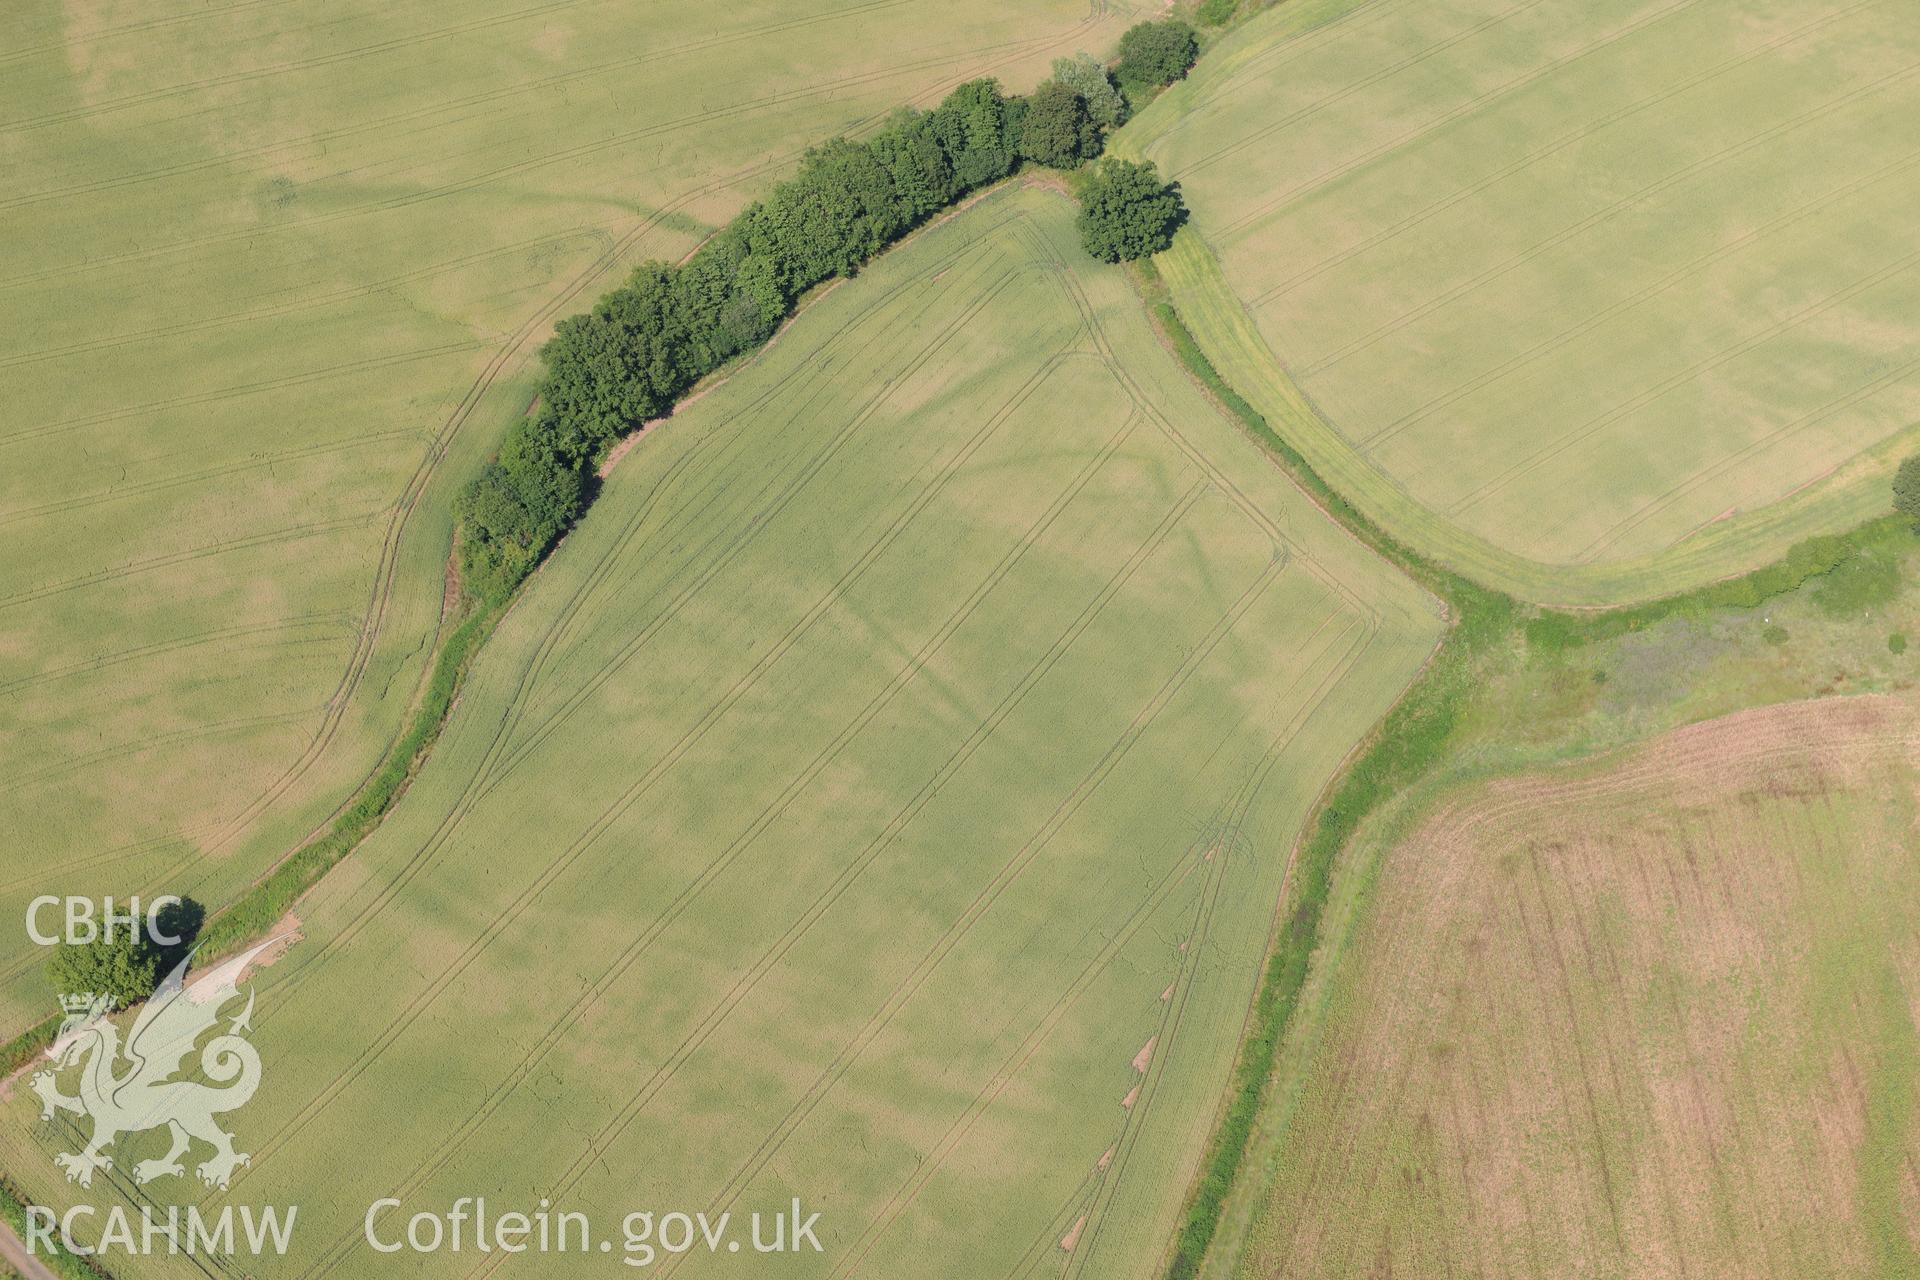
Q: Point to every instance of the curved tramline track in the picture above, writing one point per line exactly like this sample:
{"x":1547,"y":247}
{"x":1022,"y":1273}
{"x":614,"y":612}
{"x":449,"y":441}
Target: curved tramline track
{"x":505,"y":358}
{"x":1667,"y":206}
{"x":708,"y":503}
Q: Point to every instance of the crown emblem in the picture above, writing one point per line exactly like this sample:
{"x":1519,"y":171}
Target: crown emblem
{"x":82,"y":1003}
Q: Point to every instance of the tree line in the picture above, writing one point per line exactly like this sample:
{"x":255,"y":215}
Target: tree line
{"x":645,"y":344}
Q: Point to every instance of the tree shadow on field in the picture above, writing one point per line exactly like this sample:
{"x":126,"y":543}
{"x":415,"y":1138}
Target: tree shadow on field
{"x":179,"y":921}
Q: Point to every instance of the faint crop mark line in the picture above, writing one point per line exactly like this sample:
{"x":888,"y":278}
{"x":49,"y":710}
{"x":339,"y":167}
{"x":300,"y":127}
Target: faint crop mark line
{"x":1605,"y":214}
{"x":38,"y":876}
{"x":308,"y":302}
{"x":1387,"y":72}
{"x":1684,"y":377}
{"x":143,"y":488}
{"x":324,"y":138}
{"x":904,"y":677}
{"x":666,"y":763}
{"x":24,"y":779}
{"x":488,"y":768}
{"x":239,"y":390}
{"x":1068,"y":806}
{"x":50,"y":674}
{"x":1394,"y":230}
{"x":1471,"y":106}
{"x":152,"y":563}
{"x":255,"y":234}
{"x":74,"y":41}
{"x":284,"y":68}
{"x":1685,"y":271}
{"x":1016,"y":1061}
{"x":1662,"y":501}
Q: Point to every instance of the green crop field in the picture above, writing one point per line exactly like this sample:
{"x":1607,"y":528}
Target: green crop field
{"x":1594,"y":301}
{"x":1652,"y":1016}
{"x":271,"y":278}
{"x":883,"y":797}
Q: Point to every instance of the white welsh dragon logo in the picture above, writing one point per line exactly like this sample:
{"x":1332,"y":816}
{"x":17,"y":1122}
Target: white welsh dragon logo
{"x":145,"y":1095}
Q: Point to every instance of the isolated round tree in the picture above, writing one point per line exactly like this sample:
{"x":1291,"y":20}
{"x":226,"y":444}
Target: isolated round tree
{"x":1126,"y":212}
{"x":1157,"y":52}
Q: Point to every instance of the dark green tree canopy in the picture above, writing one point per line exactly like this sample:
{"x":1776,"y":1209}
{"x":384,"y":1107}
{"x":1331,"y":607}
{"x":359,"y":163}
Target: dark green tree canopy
{"x":1906,"y":489}
{"x":922,"y":174}
{"x":1057,"y":130}
{"x":514,"y":510}
{"x":1157,"y":53}
{"x":1126,"y":212}
{"x":123,"y":968}
{"x":1084,"y":74}
{"x":621,"y":363}
{"x":645,"y":344}
{"x":974,"y":128}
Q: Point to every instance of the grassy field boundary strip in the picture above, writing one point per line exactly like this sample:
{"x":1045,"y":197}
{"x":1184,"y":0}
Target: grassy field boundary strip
{"x":249,"y":917}
{"x":14,"y":1211}
{"x":1411,"y":741}
{"x":433,"y":277}
{"x":1852,"y":492}
{"x":1219,"y":325}
{"x":268,"y":901}
{"x":1465,"y":827}
{"x":612,"y":605}
{"x":755,"y":277}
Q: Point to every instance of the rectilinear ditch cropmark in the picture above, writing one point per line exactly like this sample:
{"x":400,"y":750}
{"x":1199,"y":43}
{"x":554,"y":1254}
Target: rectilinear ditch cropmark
{"x":916,"y":729}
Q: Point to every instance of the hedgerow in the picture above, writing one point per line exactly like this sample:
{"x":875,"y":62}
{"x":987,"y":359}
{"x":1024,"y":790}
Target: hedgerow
{"x":645,"y":344}
{"x":1412,"y":741}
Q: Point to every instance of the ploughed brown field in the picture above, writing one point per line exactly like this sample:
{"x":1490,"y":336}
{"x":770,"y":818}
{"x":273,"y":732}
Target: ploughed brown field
{"x":1651,"y":1016}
